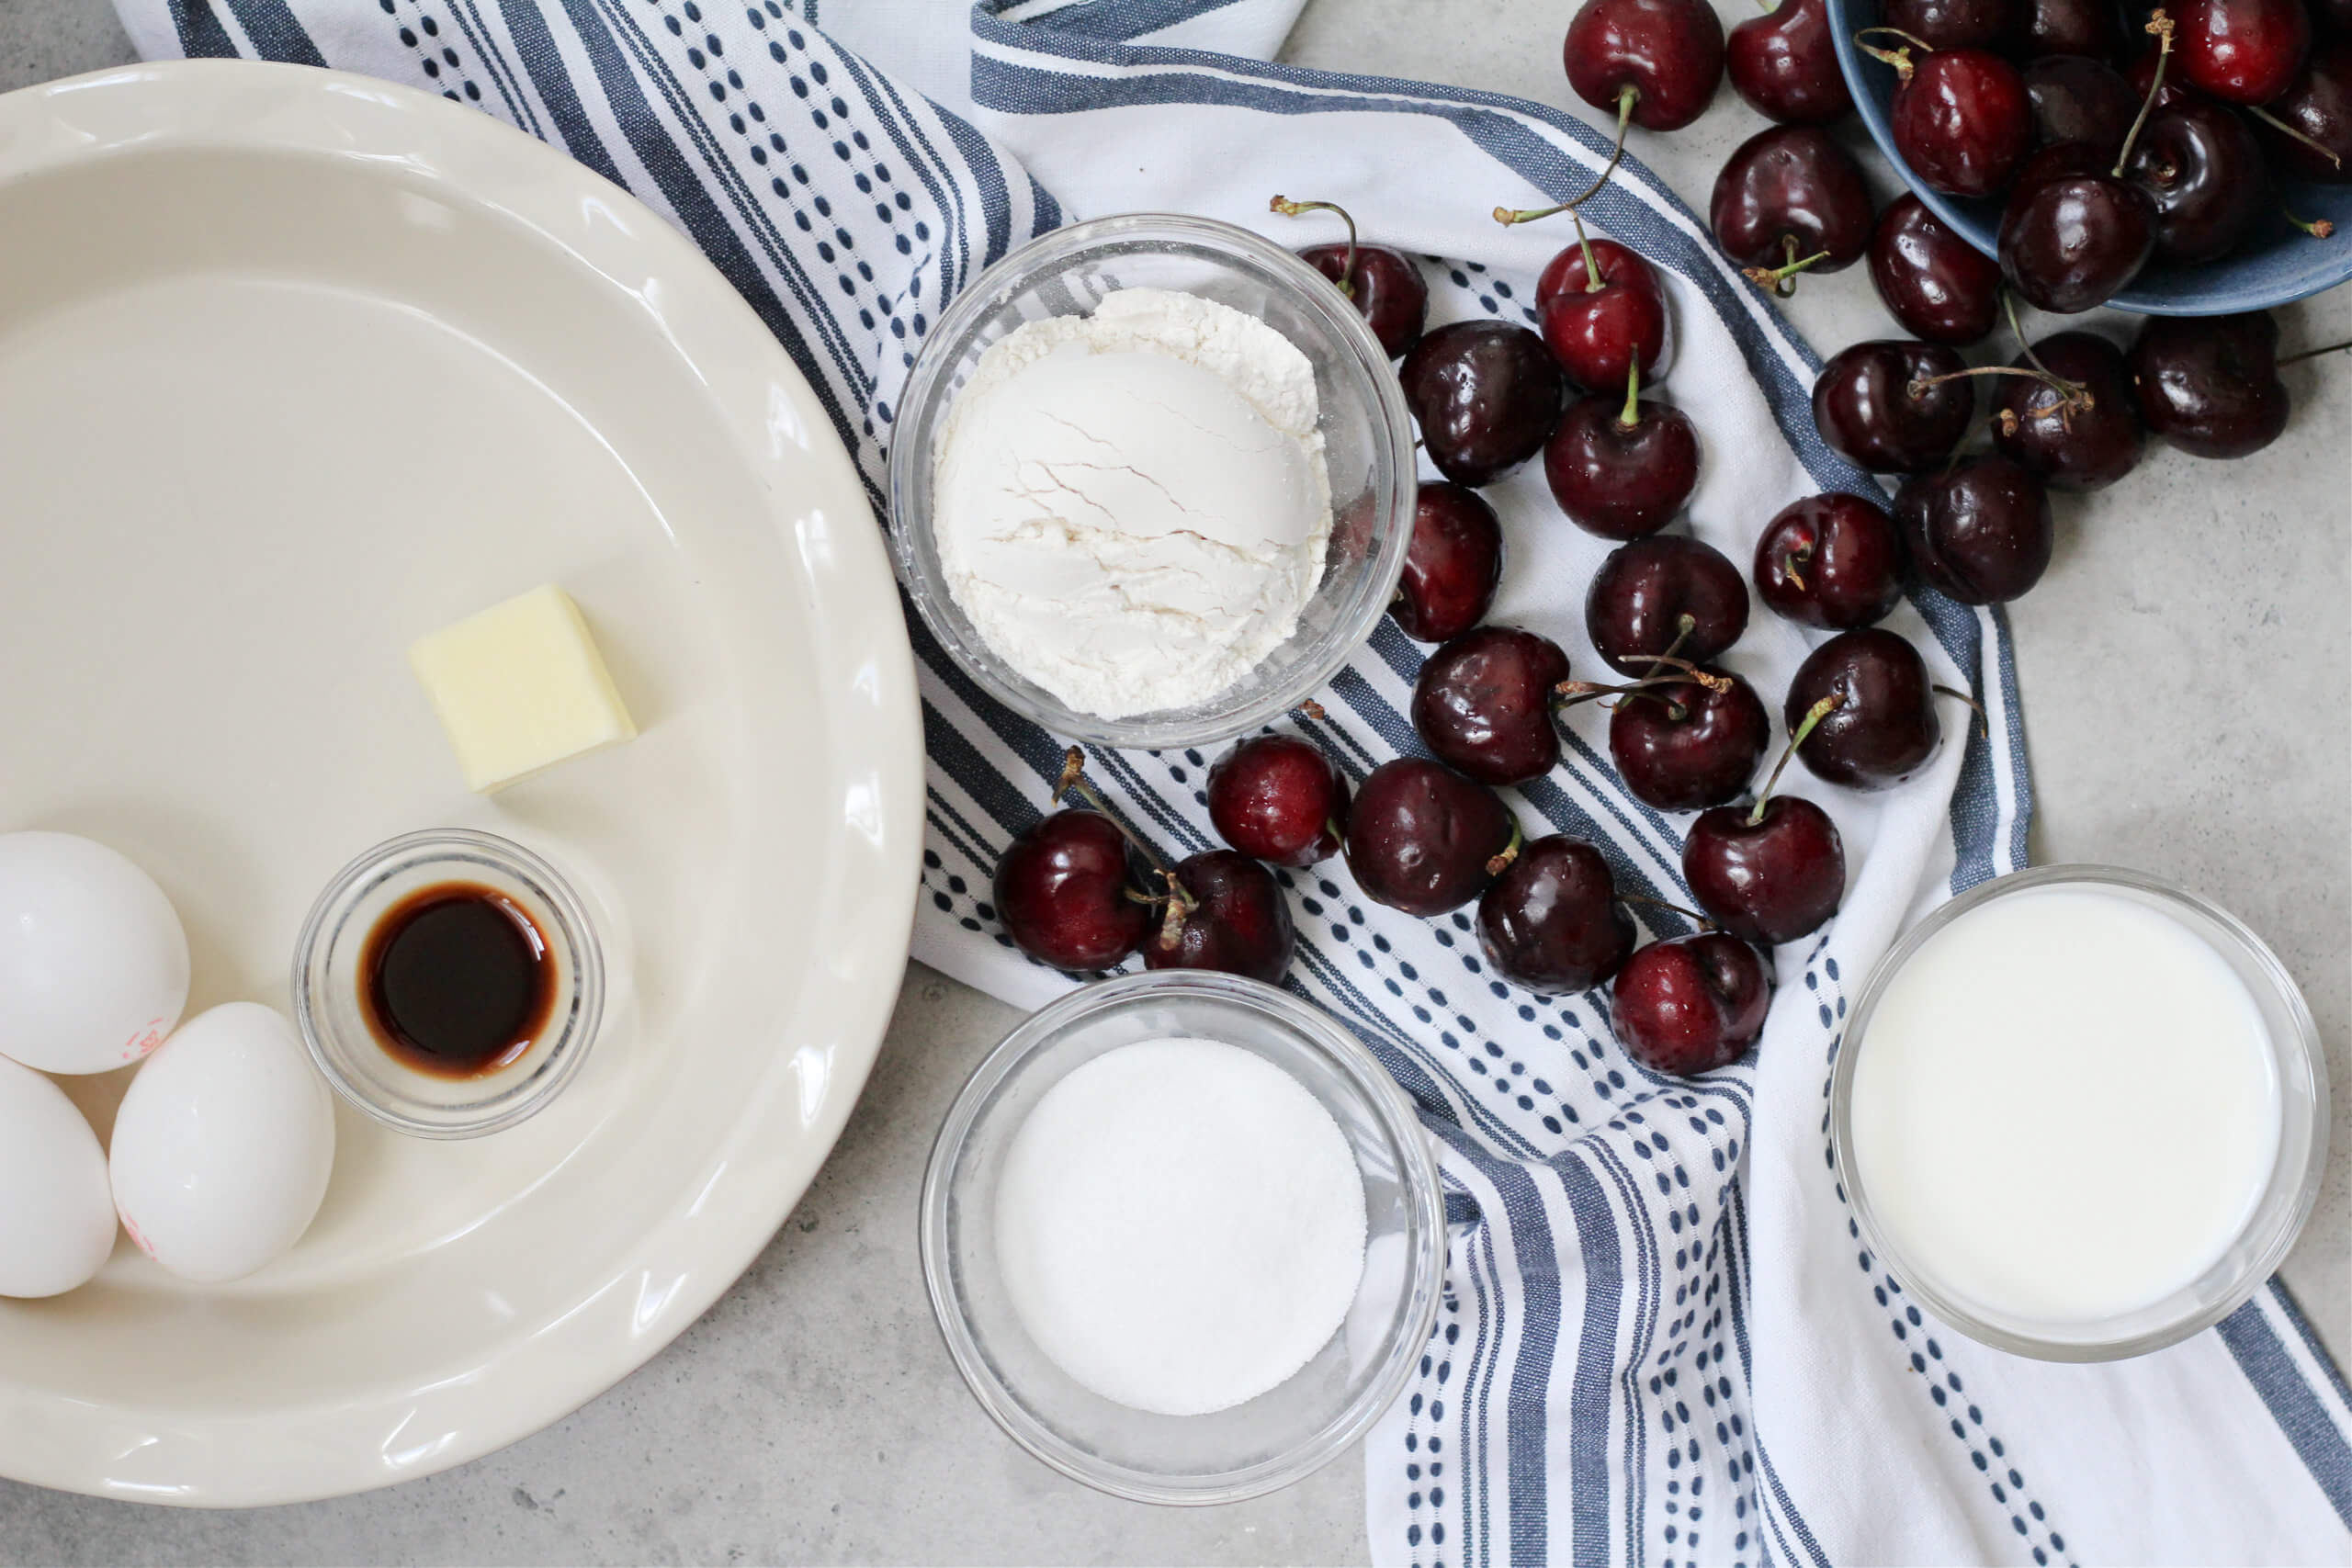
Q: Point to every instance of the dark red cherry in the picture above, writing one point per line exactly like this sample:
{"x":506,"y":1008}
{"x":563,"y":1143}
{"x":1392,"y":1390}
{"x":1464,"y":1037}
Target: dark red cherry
{"x":2071,"y":446}
{"x":1785,"y":65}
{"x":2203,"y":170}
{"x":1960,"y":118}
{"x":1451,"y":563}
{"x":1424,"y":840}
{"x":1685,"y":746}
{"x":2090,"y":28}
{"x":1063,"y":890}
{"x":1791,"y":200}
{"x":2210,"y":384}
{"x":1279,"y":798}
{"x":1621,"y":468}
{"x":1980,"y":530}
{"x":1551,"y":922}
{"x":1232,"y":917}
{"x":1599,"y":328}
{"x":1484,"y":704}
{"x":1936,"y":284}
{"x":1487,"y":395}
{"x":1769,"y":874}
{"x":1951,"y":24}
{"x":1878,"y":402}
{"x":2141,"y":74}
{"x":2076,"y":98}
{"x":1666,"y":594}
{"x":1385,"y":286}
{"x":2317,"y":104}
{"x":1880,"y":724}
{"x":2242,"y":51}
{"x":1692,"y":1005}
{"x":2073,"y":234}
{"x":1668,"y":53}
{"x":1833,"y":561}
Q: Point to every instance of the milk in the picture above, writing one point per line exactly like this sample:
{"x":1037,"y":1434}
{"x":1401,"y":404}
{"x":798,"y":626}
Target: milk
{"x":2065,"y":1108}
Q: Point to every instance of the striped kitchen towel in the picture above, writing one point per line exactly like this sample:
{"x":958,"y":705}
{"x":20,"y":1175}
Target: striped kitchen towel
{"x":1661,"y":1341}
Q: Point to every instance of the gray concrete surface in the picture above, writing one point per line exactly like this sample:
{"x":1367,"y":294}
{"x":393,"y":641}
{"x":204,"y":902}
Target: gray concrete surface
{"x":2188,"y":702}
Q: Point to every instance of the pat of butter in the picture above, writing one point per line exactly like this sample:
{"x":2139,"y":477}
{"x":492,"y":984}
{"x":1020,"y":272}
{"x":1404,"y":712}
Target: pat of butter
{"x":520,"y":687}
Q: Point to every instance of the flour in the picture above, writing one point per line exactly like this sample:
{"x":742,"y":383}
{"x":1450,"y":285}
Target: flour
{"x":1180,"y":1225}
{"x":1132,"y":507}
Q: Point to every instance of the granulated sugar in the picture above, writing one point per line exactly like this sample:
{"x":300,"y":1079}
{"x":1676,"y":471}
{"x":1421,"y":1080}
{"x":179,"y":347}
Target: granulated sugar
{"x":1180,"y":1225}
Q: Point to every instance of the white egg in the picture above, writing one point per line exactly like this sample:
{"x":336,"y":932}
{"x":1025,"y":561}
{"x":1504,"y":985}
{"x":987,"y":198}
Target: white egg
{"x":223,"y":1144}
{"x":93,"y":961}
{"x":56,"y":1222}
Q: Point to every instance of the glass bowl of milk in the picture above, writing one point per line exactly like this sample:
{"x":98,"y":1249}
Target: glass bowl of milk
{"x":1152,"y":480}
{"x":1184,"y":1238}
{"x":2080,"y":1113}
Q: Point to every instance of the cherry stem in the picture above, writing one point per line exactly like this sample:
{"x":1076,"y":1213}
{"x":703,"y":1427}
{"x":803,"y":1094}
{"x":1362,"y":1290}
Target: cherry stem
{"x":1647,"y":901}
{"x":1982,"y":723}
{"x":1789,"y":568}
{"x":2283,"y":128}
{"x":2317,"y":228}
{"x":2073,"y":397}
{"x":2010,"y":309}
{"x":1781,"y":280}
{"x":2161,"y":26}
{"x":1074,"y":778}
{"x":1684,"y":625}
{"x":1290,"y":209}
{"x":1632,"y":414}
{"x":1571,"y":692}
{"x":2315,"y":353}
{"x":1898,"y":58}
{"x":1508,"y":853}
{"x":1812,"y":716}
{"x":1593,"y":282}
{"x":1180,"y":905}
{"x":1312,"y":709}
{"x":1627,"y":96}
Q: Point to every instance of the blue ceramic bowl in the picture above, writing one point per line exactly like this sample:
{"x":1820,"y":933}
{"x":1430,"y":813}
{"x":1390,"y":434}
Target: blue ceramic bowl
{"x":2277,"y":263}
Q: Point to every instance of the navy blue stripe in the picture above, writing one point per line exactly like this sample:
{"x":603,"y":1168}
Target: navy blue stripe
{"x":1476,"y":1413}
{"x":275,"y":33}
{"x":2294,"y":1405}
{"x":502,"y":74}
{"x":527,"y":24}
{"x":1642,"y":1225}
{"x":202,"y":34}
{"x":1597,"y":1243}
{"x":2284,"y":1299}
{"x":1736,"y":1282}
{"x":939,"y":180}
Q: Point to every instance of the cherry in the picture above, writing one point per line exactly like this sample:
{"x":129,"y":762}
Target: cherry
{"x":1664,"y":596}
{"x":1881,"y":724}
{"x":1785,"y":65}
{"x":1768,"y":875}
{"x":1687,"y":745}
{"x":2203,"y":170}
{"x":1424,"y":840}
{"x":2242,"y":51}
{"x":1487,"y":395}
{"x":1950,"y":24}
{"x":1833,"y":561}
{"x":1790,"y":199}
{"x":1551,"y":922}
{"x":1484,"y":704}
{"x":2071,"y":446}
{"x":2317,"y":108}
{"x":1226,"y":912}
{"x":1279,"y":798}
{"x":1959,"y":117}
{"x":2067,"y":26}
{"x":1881,"y":403}
{"x":2210,"y":384}
{"x":1666,"y":54}
{"x":1602,"y":312}
{"x":1386,"y":289}
{"x":1690,"y":1005}
{"x":1980,"y":530}
{"x":1451,"y":563}
{"x":1622,"y":470}
{"x":1936,"y":284}
{"x":2076,"y":98}
{"x":1064,"y":893}
{"x":2075,"y":233}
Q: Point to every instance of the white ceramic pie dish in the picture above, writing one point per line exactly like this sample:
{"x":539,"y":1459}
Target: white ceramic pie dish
{"x":294,"y":368}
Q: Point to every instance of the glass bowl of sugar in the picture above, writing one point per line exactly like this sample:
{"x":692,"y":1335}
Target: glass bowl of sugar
{"x":2079,"y":1113}
{"x":1184,"y":1238}
{"x":1152,"y":480}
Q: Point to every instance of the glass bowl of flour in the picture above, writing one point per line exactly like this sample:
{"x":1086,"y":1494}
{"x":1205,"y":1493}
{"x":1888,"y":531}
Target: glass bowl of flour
{"x":1151,"y":480}
{"x":1184,"y":1238}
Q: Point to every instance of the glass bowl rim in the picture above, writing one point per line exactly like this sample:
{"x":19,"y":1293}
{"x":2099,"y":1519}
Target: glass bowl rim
{"x":926,"y":386}
{"x":2306,"y":1040}
{"x":1417,"y":1174}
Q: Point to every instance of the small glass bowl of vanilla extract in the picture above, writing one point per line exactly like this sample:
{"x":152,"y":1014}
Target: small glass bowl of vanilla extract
{"x":449,"y":983}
